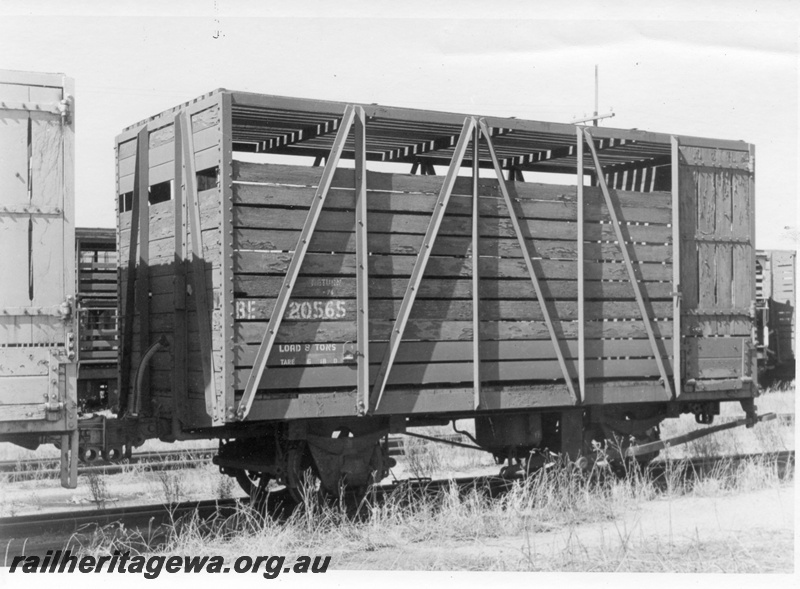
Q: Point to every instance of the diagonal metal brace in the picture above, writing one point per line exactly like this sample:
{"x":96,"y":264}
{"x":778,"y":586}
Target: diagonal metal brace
{"x":629,"y":265}
{"x":514,"y":216}
{"x":422,"y":261}
{"x":260,"y":362}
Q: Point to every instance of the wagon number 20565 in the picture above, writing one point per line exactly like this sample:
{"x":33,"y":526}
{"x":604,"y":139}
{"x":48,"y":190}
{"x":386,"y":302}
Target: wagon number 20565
{"x":316,"y":310}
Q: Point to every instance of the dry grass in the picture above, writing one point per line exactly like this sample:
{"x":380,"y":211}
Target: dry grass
{"x":539,"y":525}
{"x":452,"y":530}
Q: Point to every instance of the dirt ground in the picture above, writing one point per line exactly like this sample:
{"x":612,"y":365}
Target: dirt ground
{"x":745,"y":532}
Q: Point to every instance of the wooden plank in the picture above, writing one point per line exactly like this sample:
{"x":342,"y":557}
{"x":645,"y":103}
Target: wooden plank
{"x":741,"y":205}
{"x":688,"y":230}
{"x":267,"y":218}
{"x":723,"y":263}
{"x":14,"y":261}
{"x":283,"y":378}
{"x":435,"y":330}
{"x":48,"y":259}
{"x":707,"y":279}
{"x":724,"y":206}
{"x":461,"y":351}
{"x":338,"y":287}
{"x":715,"y":157}
{"x":161,"y":217}
{"x":162,"y":146}
{"x":276,"y":181}
{"x":14,"y":158}
{"x":490,"y":205}
{"x":47,"y":162}
{"x":204,"y":159}
{"x":248,"y":262}
{"x":254,"y":309}
{"x":390,"y":243}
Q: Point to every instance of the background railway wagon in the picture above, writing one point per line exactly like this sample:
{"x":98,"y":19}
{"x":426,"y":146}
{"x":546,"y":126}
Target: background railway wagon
{"x":37,"y":291}
{"x":776,"y":300}
{"x":96,"y":297}
{"x":577,"y":296}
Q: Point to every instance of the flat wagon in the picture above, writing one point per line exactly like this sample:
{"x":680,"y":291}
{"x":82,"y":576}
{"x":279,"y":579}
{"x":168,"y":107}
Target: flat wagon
{"x":298,"y":278}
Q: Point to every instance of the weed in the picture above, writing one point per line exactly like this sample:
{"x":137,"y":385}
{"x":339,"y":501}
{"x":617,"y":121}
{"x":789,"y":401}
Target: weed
{"x":222,"y":486}
{"x":98,"y":489}
{"x":171,"y":486}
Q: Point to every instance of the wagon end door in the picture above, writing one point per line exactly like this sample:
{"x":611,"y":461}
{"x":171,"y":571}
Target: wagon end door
{"x":718,"y":284}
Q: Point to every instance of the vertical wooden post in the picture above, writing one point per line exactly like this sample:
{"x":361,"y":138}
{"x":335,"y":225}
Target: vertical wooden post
{"x":362,"y":263}
{"x":677,"y":368}
{"x":752,"y":239}
{"x":179,"y":334}
{"x":128,"y":307}
{"x":143,"y":277}
{"x":581,"y":276}
{"x":476,"y":274}
{"x":202,"y":308}
{"x":225,"y":186}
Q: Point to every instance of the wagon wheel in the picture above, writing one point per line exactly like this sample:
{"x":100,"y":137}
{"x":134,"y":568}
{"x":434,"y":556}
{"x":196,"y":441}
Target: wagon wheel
{"x":622,"y":442}
{"x":253,"y":483}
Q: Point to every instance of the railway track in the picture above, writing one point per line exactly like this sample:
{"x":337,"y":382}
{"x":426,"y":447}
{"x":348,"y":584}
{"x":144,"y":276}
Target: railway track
{"x":48,"y":468}
{"x":23,"y":470}
{"x":35,"y":534}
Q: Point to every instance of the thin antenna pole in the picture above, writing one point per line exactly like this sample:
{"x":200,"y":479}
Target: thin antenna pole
{"x":596,"y":94}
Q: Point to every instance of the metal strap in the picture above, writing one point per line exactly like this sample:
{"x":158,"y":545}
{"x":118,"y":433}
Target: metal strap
{"x":526,"y":254}
{"x":640,"y":300}
{"x":581,"y":274}
{"x":677,"y":368}
{"x":282,"y":301}
{"x":476,"y":274}
{"x":362,"y":263}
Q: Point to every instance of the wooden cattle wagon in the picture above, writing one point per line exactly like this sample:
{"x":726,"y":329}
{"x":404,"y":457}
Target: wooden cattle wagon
{"x":291,"y":268}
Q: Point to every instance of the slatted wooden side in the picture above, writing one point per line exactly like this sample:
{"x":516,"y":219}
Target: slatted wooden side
{"x":270,"y":206}
{"x":161,"y":257}
{"x":717,"y":257}
{"x":98,"y":335}
{"x":206,"y":127}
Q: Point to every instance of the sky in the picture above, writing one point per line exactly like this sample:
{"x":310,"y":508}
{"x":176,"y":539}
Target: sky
{"x":727,"y":71}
